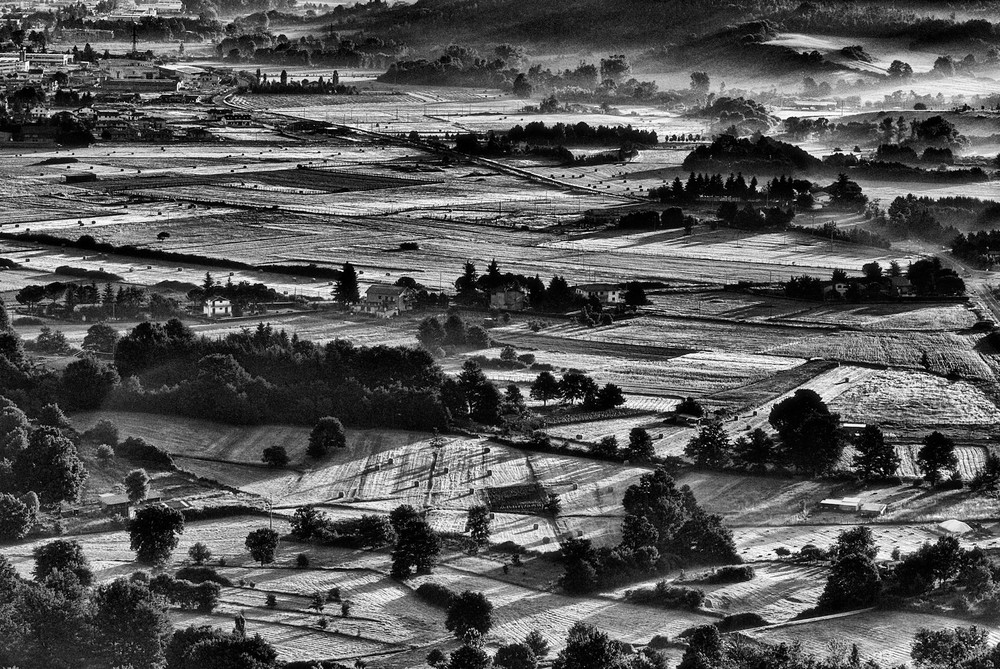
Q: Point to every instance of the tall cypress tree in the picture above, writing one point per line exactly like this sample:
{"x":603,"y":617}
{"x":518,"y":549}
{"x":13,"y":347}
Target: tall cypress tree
{"x":347,"y":285}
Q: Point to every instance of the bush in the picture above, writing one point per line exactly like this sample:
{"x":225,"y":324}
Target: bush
{"x":202,"y":575}
{"x":527,"y":358}
{"x":301,"y":560}
{"x":105,"y":453}
{"x":667,"y":597}
{"x":435,"y":594}
{"x":270,"y":601}
{"x":104,"y":432}
{"x":27,"y":320}
{"x":135,"y":448}
{"x":729,"y":575}
{"x":740,"y":621}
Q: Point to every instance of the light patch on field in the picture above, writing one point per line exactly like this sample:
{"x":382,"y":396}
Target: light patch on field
{"x":777,"y":592}
{"x":909,"y":398}
{"x":883,"y":636}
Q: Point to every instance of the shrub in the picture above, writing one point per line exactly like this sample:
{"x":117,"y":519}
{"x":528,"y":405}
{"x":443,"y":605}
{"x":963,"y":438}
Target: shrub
{"x":27,"y":320}
{"x":135,"y":448}
{"x":302,"y":560}
{"x":105,"y":453}
{"x":435,"y":594}
{"x":729,"y":575}
{"x":527,"y":358}
{"x":270,"y":601}
{"x":740,"y":621}
{"x":199,"y":574}
{"x":199,"y":553}
{"x":333,"y":594}
{"x":666,"y":596}
{"x":104,"y":432}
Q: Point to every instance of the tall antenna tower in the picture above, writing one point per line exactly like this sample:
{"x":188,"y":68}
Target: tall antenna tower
{"x":135,"y":41}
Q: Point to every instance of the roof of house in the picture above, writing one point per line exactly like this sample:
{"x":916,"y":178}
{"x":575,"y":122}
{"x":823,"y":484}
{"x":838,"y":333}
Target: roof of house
{"x":595,"y":287}
{"x":381,"y":289}
{"x":111,"y":499}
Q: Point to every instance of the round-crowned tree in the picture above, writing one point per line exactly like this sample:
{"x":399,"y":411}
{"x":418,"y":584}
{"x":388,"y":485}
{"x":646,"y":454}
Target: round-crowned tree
{"x":62,"y":555}
{"x":154,"y":533}
{"x":327,"y":435}
{"x":469,"y":611}
{"x":15,"y":518}
{"x":275,"y":456}
{"x":263,"y":545}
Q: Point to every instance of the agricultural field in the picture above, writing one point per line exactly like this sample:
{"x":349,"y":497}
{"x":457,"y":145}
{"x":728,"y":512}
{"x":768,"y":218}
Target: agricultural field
{"x":717,"y":328}
{"x":884,"y":636}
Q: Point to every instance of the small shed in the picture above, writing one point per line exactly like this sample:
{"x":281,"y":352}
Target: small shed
{"x":113,"y":504}
{"x":873,"y":509}
{"x":850,"y":505}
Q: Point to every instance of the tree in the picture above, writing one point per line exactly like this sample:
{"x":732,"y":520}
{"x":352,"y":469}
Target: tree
{"x":574,"y":386}
{"x":609,"y":397}
{"x":469,"y":611}
{"x":640,"y":445}
{"x":704,"y":648}
{"x":899,"y":70}
{"x":430,"y":333}
{"x":607,"y":447}
{"x":130,"y":625}
{"x":949,"y":649}
{"x":469,"y":656}
{"x":589,"y":648}
{"x":15,"y":518}
{"x":478,"y":524}
{"x":537,"y":643}
{"x":86,"y":383}
{"x":275,"y":456}
{"x":875,"y":459}
{"x":199,"y":553}
{"x":937,"y":453}
{"x":700,"y":82}
{"x":710,"y":447}
{"x":755,"y":452}
{"x":545,"y":387}
{"x":375,"y":531}
{"x":854,"y":582}
{"x":137,"y":485}
{"x":689,"y":406}
{"x":52,"y":416}
{"x":307,"y":521}
{"x":810,"y":437}
{"x":417,"y":546}
{"x":229,"y":650}
{"x":347,"y":285}
{"x":263,"y":545}
{"x":64,"y":556}
{"x":466,"y":284}
{"x":50,"y":466}
{"x":327,"y":435}
{"x":154,"y":533}
{"x":101,"y":338}
{"x":515,"y":656}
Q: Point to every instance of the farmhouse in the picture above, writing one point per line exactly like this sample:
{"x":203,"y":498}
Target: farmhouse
{"x":218,"y":308}
{"x":834,"y":289}
{"x":899,"y":286}
{"x":509,"y":299}
{"x":606,"y":293}
{"x":114,"y":504}
{"x":387,"y":301}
